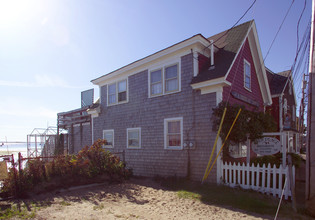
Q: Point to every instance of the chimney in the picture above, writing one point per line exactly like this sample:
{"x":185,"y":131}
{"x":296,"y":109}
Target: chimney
{"x":211,"y":55}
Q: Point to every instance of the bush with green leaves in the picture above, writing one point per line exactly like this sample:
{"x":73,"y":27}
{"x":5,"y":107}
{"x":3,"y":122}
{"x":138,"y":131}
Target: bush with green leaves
{"x":248,"y":123}
{"x":85,"y":167}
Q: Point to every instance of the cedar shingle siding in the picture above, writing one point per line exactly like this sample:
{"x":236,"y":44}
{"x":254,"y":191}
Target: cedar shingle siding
{"x":149,"y":114}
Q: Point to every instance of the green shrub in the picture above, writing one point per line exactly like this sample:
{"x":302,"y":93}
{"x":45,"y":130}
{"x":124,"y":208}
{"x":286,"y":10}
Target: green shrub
{"x":84,"y":167}
{"x":276,"y":159}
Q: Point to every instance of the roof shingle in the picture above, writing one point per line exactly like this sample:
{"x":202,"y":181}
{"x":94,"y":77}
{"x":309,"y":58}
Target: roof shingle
{"x":228,"y":42}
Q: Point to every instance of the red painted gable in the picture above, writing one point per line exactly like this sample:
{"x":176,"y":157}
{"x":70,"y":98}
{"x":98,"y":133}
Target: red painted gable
{"x":236,"y":78}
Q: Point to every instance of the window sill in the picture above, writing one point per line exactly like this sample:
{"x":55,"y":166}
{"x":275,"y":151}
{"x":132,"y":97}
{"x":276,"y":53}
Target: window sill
{"x":174,"y":148}
{"x":249,"y":90}
{"x":163,"y":94}
{"x":117,"y":103}
{"x":134,"y":148}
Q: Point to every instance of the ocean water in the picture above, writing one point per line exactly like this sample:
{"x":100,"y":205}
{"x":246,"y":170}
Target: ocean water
{"x":15,"y":149}
{"x":8,"y":149}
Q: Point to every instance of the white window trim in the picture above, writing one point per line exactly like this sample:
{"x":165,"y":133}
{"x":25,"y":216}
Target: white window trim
{"x":127,"y":92}
{"x":162,"y":81}
{"x":181,"y":133}
{"x":134,"y":129}
{"x":162,"y":67}
{"x":109,"y":130}
{"x":250,"y":76}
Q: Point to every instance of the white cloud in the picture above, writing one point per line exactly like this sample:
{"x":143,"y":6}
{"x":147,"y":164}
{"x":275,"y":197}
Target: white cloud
{"x":44,"y":21}
{"x":40,"y":80}
{"x":21,"y":107}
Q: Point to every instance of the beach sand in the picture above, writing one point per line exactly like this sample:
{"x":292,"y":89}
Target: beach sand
{"x":133,"y":199}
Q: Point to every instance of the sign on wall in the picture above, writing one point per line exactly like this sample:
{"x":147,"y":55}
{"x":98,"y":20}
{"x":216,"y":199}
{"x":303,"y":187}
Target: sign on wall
{"x":266,"y":146}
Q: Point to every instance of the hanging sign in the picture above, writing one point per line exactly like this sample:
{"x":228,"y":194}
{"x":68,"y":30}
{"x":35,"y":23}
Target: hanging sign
{"x":266,"y":146}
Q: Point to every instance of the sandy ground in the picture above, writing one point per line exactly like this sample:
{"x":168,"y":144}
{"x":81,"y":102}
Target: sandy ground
{"x":133,"y":199}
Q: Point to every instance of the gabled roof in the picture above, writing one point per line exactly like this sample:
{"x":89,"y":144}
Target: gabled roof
{"x":189,"y":42}
{"x":228,"y":42}
{"x":276,"y":81}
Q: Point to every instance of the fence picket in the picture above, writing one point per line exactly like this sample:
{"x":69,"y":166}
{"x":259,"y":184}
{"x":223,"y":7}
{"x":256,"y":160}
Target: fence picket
{"x":263,"y":175}
{"x":280,"y":181}
{"x":267,"y":179}
{"x":274,"y":180}
{"x":230,"y":174}
{"x":252,"y":184}
{"x":243,"y":175}
{"x":247,"y":174}
{"x":257,"y":176}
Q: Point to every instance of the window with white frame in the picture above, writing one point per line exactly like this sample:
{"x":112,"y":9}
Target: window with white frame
{"x":171,"y":78}
{"x":247,"y":75}
{"x":117,"y":92}
{"x":173,"y":133}
{"x":156,"y":82}
{"x":134,"y":138}
{"x":108,"y":135}
{"x":238,"y":150}
{"x":164,"y":80}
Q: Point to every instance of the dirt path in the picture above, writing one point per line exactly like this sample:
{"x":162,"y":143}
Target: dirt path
{"x":134,"y":199}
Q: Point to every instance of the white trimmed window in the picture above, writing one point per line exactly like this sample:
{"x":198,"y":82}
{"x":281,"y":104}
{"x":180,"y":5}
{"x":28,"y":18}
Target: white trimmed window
{"x":108,"y":135}
{"x":164,"y":80}
{"x":156,"y":82}
{"x":173,"y":133}
{"x":247,"y":75}
{"x":117,"y":92}
{"x":171,"y":78}
{"x":134,"y":138}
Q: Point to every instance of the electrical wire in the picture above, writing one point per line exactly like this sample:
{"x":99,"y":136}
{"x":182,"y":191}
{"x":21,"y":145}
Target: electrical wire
{"x":278,"y":30}
{"x":233,"y":25}
{"x":298,"y":24}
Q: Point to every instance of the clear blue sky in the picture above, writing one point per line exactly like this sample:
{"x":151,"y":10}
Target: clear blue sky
{"x":51,"y":50}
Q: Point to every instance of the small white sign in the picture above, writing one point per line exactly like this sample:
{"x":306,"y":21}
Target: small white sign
{"x":266,"y":146}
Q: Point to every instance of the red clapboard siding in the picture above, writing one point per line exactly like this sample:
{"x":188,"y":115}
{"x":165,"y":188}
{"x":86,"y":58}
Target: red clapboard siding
{"x":236,"y":77}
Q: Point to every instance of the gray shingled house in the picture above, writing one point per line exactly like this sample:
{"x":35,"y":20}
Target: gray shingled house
{"x":159,"y":109}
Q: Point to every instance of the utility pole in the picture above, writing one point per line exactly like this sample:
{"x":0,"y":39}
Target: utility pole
{"x":310,"y":151}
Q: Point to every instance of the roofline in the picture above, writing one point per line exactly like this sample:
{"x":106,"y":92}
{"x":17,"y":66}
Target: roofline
{"x":262,"y":65}
{"x":238,"y":51}
{"x":194,"y":39}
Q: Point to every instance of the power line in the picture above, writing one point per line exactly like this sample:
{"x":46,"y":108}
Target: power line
{"x":234,"y":24}
{"x":278,"y":30}
{"x":298,"y":24}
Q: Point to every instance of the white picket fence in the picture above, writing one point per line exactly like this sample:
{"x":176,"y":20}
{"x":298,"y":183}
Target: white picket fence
{"x":269,"y":180}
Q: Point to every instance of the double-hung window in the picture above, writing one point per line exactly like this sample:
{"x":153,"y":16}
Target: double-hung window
{"x":173,"y":133}
{"x":156,"y":82}
{"x":117,"y":92}
{"x":164,"y":80}
{"x":108,"y":135}
{"x":247,"y":75}
{"x":134,"y":138}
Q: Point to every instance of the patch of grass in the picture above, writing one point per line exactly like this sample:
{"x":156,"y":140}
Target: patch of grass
{"x":99,"y":207}
{"x":188,"y":195}
{"x":120,"y":216}
{"x":14,"y":211}
{"x":247,"y":200}
{"x":65,"y":203}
